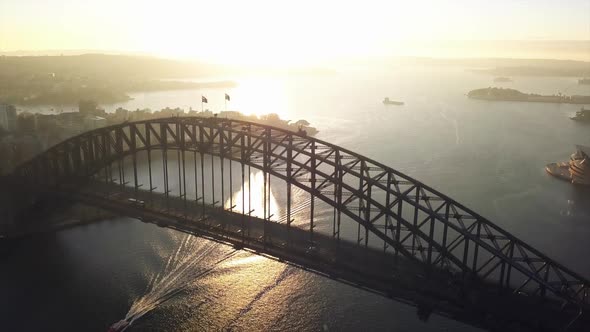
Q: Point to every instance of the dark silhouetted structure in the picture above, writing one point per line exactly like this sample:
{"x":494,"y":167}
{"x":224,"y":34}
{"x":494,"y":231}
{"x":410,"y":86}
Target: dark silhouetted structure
{"x":387,"y":233}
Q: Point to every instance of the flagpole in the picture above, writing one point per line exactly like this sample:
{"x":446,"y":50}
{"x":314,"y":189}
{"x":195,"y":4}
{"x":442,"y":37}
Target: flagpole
{"x":225,"y":99}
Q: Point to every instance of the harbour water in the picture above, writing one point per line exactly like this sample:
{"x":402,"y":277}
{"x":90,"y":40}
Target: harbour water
{"x":490,"y":156}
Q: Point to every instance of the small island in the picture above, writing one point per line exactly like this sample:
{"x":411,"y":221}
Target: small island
{"x":502,"y":94}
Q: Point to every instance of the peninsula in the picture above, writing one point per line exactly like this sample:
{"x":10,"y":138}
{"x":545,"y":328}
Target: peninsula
{"x":501,"y":94}
{"x":64,"y":80}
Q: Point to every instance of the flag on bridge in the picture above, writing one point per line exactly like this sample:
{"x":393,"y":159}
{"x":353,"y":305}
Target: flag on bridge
{"x":226,"y":100}
{"x":203,"y":99}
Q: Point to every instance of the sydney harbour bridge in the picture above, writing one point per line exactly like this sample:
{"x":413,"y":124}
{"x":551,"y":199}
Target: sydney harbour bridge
{"x":385,"y":231}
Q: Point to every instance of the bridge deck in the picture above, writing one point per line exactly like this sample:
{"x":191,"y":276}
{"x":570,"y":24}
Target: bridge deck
{"x":369,"y":268}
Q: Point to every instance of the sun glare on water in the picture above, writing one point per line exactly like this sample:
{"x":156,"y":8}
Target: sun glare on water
{"x":256,"y":201}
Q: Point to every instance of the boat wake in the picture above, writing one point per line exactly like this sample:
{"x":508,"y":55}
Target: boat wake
{"x":455,"y":125}
{"x":184,"y":266}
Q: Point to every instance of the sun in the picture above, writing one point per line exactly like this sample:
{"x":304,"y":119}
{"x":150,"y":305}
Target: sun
{"x":260,"y":96}
{"x":270,"y":33}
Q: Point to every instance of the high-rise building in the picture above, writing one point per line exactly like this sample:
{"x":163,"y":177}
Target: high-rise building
{"x":122,"y":114}
{"x":7,"y":117}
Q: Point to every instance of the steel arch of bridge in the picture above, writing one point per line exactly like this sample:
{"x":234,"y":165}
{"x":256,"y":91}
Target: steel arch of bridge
{"x":410,"y":218}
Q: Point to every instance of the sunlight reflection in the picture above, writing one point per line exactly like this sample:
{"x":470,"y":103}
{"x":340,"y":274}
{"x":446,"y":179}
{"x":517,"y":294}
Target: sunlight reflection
{"x":256,"y":200}
{"x":254,"y":259}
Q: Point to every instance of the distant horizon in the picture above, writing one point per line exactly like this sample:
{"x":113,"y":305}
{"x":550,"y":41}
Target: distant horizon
{"x":279,"y":34}
{"x":450,"y":54}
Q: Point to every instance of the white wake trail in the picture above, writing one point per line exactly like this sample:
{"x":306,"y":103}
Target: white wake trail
{"x":184,"y":266}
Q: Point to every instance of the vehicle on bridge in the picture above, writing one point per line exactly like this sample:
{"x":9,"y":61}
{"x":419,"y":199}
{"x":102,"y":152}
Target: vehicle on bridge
{"x":135,"y":201}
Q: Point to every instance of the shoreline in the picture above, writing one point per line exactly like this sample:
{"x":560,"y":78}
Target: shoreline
{"x":110,"y":97}
{"x":506,"y":94}
{"x":532,"y":101}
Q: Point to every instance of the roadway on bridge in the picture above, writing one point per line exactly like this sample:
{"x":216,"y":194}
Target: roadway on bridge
{"x":360,"y":266}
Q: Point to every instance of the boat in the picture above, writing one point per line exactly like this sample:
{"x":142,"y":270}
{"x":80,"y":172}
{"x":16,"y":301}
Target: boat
{"x":584,"y":81}
{"x":576,"y":170}
{"x":502,"y":79}
{"x":119,"y":326}
{"x":387,"y":101}
{"x":582,"y":115}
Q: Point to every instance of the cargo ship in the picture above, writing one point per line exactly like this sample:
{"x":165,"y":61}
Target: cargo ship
{"x":576,"y":170}
{"x":387,"y":101}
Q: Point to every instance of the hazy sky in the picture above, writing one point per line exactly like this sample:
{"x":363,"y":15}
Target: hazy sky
{"x":274,"y":31}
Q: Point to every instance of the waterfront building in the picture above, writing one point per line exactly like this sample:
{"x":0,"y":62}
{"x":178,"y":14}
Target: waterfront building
{"x":94,"y":122}
{"x":121,"y":114}
{"x":73,"y":121}
{"x":576,"y":170}
{"x":580,"y":165}
{"x":7,"y":117}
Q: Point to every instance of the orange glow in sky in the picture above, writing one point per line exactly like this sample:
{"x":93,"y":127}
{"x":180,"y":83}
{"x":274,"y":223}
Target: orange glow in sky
{"x":278,"y":32}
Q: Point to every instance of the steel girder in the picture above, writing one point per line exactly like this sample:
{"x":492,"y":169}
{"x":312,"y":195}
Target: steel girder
{"x":409,"y":217}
